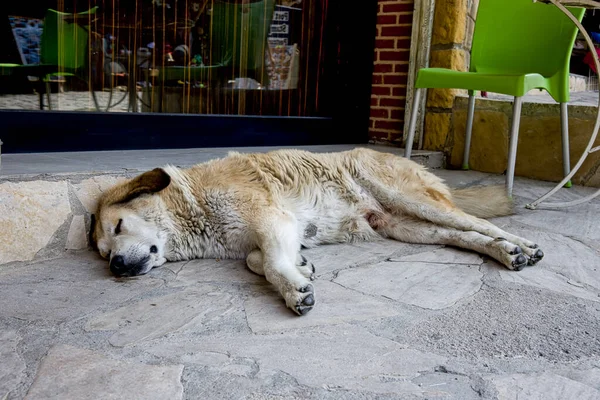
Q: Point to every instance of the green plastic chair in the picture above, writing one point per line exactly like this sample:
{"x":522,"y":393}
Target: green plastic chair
{"x":63,"y":52}
{"x":238,"y":44}
{"x":518,"y":45}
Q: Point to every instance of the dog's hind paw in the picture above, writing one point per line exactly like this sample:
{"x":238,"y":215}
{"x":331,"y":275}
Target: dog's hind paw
{"x":519,"y":262}
{"x":534,"y":258}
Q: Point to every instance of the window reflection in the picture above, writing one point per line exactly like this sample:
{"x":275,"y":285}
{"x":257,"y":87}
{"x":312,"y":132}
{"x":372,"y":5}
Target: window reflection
{"x":239,"y":57}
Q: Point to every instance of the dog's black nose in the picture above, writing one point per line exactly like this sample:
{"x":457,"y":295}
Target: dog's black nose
{"x":117,"y":265}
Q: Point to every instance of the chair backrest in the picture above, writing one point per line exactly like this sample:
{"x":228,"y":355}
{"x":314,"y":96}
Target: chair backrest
{"x":64,"y":44}
{"x":239,"y":33}
{"x":520,"y":36}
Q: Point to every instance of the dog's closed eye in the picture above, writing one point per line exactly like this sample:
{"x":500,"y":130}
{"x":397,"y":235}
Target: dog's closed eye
{"x":118,"y":228}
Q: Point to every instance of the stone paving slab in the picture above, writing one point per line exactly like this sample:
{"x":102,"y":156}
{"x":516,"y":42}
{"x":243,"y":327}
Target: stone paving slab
{"x":71,"y":373}
{"x":392,"y":321}
{"x":541,"y":387}
{"x":339,"y":356}
{"x":427,"y":285}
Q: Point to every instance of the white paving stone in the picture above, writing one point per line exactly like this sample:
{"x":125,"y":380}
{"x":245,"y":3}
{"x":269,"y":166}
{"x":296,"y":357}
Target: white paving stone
{"x":88,"y":191}
{"x":571,"y":258}
{"x":72,"y":373}
{"x":335,"y":257}
{"x":30,"y":213}
{"x":432,"y":286}
{"x":266,"y":312}
{"x":544,"y":386}
{"x":77,"y":238}
{"x":60,"y":289}
{"x":547,"y":279}
{"x":445,"y":255}
{"x":590,"y":377}
{"x":577,"y":221}
{"x":341,"y":357}
{"x":157,"y":316}
{"x":199,"y":271}
{"x":12,"y":365}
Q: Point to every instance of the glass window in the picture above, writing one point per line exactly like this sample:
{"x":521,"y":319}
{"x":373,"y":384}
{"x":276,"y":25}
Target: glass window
{"x":224,"y":57}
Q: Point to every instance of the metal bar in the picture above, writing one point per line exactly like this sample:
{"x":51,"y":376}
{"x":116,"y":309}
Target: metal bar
{"x":413,"y":124}
{"x":535,"y":204}
{"x":574,"y":3}
{"x":469,"y":132}
{"x":514,"y":142}
{"x":564,"y":130}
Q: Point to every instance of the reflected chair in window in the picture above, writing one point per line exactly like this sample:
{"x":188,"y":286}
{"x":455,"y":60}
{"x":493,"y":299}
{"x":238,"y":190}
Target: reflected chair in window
{"x":64,"y":52}
{"x":518,"y":45}
{"x":238,"y":44}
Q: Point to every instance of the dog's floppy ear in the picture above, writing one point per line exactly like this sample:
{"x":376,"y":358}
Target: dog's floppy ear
{"x":91,"y":238}
{"x":149,"y":182}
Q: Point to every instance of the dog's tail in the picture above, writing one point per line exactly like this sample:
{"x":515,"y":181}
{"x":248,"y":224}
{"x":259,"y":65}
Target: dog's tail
{"x":484,"y":201}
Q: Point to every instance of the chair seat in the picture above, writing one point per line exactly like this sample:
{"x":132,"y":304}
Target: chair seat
{"x":20,"y":70}
{"x":509,"y":84}
{"x":7,"y":69}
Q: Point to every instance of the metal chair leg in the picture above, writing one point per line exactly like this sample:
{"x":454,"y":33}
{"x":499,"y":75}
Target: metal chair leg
{"x":41,"y":89}
{"x":468,"y":133}
{"x":564,"y":129}
{"x":512,"y":147}
{"x":412,"y":127}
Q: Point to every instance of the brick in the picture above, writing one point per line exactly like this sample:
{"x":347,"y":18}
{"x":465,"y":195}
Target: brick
{"x":395,"y":55}
{"x":397,"y":114}
{"x":374,"y":101}
{"x":377,"y":134}
{"x":389,"y":124}
{"x":387,"y":20}
{"x":398,"y":7}
{"x":395,"y":31}
{"x":385,"y":44}
{"x":400,"y":91}
{"x":383,"y":68}
{"x":401,"y":68}
{"x":405,"y":18}
{"x":402,"y":43}
{"x":381,"y":91}
{"x":450,"y":21}
{"x":438,"y":127}
{"x":377,"y":79}
{"x":391,"y":102}
{"x":394,"y":80}
{"x":454,"y":59}
{"x":382,"y":113}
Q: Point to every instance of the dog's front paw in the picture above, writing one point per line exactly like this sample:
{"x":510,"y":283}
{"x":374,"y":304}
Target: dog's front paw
{"x":301,"y":301}
{"x":305,"y":267}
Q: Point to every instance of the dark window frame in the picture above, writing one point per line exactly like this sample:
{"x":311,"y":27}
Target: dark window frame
{"x":350,"y":45}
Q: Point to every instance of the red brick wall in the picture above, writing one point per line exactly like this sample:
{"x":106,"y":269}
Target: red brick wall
{"x":388,"y":95}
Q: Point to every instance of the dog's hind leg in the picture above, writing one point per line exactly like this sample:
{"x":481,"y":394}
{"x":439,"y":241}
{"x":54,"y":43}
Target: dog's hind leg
{"x":431,"y":204}
{"x":411,"y":230}
{"x":279,"y":245}
{"x":255,"y":263}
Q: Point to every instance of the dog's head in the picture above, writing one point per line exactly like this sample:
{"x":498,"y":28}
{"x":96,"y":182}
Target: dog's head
{"x":126,"y":228}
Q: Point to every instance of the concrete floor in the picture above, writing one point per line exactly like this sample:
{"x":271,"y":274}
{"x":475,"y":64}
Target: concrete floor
{"x":392,"y":321}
